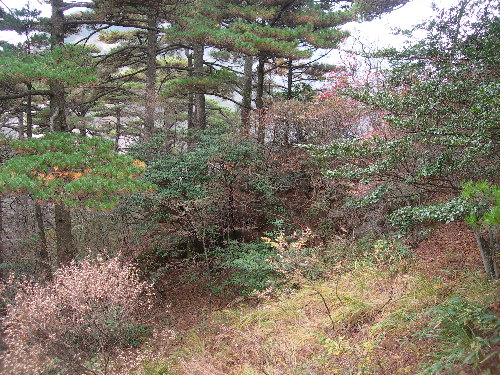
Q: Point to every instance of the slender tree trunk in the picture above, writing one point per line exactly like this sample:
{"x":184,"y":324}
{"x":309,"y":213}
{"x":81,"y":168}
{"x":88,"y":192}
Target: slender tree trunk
{"x":289,"y":96}
{"x":150,"y":105}
{"x":289,"y":86}
{"x":58,"y":97}
{"x":29,"y":113}
{"x":66,"y":250}
{"x":259,"y":100}
{"x":487,"y":242}
{"x":200,"y":117}
{"x":246,"y":101}
{"x":20,"y":126}
{"x":43,"y":253}
{"x":190,"y":95}
{"x":118,"y":128}
{"x":64,"y":237}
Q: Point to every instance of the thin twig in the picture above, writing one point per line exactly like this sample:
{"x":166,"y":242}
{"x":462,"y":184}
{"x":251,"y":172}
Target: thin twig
{"x":327,"y":309}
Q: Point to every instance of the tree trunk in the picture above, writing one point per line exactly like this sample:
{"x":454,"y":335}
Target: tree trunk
{"x":29,"y":113}
{"x":190,"y":95}
{"x":43,"y":254}
{"x":289,"y":86}
{"x":64,"y":242}
{"x":259,"y":100}
{"x":64,"y":238}
{"x":58,"y":97}
{"x":488,"y":246}
{"x":200,"y":117}
{"x":246,"y":101}
{"x":150,"y":105}
{"x":118,"y":128}
{"x":20,"y":126}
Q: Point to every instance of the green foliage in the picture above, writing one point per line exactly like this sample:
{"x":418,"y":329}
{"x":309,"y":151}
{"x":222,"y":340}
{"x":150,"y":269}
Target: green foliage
{"x":347,"y":254}
{"x":76,"y":170}
{"x":267,"y":29}
{"x":406,"y":218}
{"x":200,"y":188}
{"x":439,"y":104}
{"x":479,"y":206}
{"x":271,"y":265}
{"x":466,"y":333}
{"x":249,"y":264}
{"x":69,"y":63}
{"x":187,"y":174}
{"x":486,"y":200}
{"x":217,"y":82}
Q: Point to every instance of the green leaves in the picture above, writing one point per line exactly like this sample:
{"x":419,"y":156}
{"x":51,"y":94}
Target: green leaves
{"x":406,"y":218}
{"x":76,"y":170}
{"x":486,"y":199}
{"x":466,"y":333}
{"x":69,"y":63}
{"x":440,"y":112}
{"x":188,"y":175}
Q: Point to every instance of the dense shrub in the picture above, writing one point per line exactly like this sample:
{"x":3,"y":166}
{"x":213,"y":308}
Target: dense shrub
{"x":75,"y":323}
{"x":248,"y":263}
{"x":271,"y":264}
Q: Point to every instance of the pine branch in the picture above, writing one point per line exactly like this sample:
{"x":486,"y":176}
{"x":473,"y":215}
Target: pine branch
{"x":25,"y":93}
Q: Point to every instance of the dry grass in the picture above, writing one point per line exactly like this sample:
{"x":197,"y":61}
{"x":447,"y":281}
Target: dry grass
{"x":363,"y":322}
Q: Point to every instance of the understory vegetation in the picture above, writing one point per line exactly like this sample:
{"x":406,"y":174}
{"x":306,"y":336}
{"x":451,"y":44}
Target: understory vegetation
{"x":186,"y":190}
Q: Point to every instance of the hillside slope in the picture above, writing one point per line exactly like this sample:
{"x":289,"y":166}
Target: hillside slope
{"x":432,"y":313}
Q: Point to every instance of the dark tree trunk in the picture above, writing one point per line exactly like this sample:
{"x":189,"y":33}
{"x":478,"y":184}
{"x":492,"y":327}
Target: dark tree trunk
{"x":289,"y":86}
{"x":118,"y":128}
{"x":58,"y":97}
{"x":43,"y":253}
{"x":150,"y":105}
{"x":29,"y":113}
{"x":246,"y":101}
{"x":64,"y":242}
{"x":190,"y":95}
{"x":64,"y":238}
{"x":259,"y":100}
{"x":487,"y":241}
{"x":200,"y":117}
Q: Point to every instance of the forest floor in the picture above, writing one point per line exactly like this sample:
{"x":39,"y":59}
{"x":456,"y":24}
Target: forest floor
{"x":429,"y":314}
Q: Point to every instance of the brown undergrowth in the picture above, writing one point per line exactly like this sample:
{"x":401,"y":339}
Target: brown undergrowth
{"x":371,"y":320}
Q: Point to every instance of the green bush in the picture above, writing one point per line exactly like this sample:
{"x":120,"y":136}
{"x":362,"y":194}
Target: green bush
{"x":387,"y":250}
{"x":466,"y":333}
{"x":249,"y":265}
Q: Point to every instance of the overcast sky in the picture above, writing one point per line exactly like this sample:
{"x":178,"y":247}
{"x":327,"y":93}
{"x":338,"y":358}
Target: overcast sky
{"x":374,"y":33}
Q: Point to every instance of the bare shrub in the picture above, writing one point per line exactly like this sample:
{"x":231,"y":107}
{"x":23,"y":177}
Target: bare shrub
{"x":76,"y":323}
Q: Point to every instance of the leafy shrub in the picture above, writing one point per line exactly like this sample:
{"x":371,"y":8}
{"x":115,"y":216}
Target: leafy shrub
{"x":75,"y":323}
{"x":466,"y":333}
{"x":248,"y":262}
{"x":293,"y":260}
{"x":382,"y":251}
{"x":271,"y":264}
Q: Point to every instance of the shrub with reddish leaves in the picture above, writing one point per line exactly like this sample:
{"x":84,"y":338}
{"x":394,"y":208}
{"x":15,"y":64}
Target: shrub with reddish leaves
{"x":76,"y":323}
